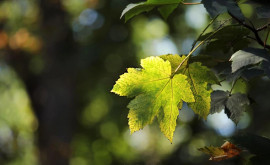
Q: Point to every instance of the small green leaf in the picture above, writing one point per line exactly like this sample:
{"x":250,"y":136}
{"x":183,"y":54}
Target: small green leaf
{"x":166,"y":7}
{"x":134,"y":9}
{"x":157,"y":94}
{"x":166,"y":10}
{"x":240,"y":86}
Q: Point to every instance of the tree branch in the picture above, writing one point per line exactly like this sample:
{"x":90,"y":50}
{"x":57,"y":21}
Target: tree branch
{"x":253,"y":29}
{"x":263,"y":27}
{"x":266,"y":38}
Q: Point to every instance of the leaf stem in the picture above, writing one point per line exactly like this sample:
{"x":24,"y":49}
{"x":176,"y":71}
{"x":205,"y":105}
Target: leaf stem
{"x":263,"y":27}
{"x":265,"y":41}
{"x":192,"y":51}
{"x":233,"y":85}
{"x":195,"y":3}
{"x":193,"y":45}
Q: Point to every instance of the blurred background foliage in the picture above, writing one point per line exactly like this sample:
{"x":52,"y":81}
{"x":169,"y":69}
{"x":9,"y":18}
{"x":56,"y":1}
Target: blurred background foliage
{"x":56,"y":76}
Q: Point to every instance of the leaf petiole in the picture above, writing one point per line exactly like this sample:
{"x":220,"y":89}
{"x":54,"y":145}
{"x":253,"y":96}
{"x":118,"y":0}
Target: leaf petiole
{"x":195,"y":3}
{"x":192,"y":51}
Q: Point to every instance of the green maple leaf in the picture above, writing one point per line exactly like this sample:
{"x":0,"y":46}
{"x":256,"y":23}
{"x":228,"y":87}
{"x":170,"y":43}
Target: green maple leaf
{"x":198,"y":77}
{"x":156,"y":92}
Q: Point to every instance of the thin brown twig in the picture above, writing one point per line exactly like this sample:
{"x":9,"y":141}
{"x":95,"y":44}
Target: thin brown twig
{"x":251,"y":38}
{"x":192,"y":51}
{"x":263,"y":27}
{"x":195,"y":3}
{"x":253,"y":29}
{"x":195,"y":42}
{"x":233,"y":85}
{"x":266,"y":38}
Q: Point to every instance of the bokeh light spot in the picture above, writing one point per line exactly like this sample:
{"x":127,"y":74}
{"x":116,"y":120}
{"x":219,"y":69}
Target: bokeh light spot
{"x":221,"y":123}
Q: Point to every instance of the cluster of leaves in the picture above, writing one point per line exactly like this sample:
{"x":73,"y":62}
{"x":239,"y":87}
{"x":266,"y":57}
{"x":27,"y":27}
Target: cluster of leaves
{"x":262,"y":7}
{"x":163,"y":83}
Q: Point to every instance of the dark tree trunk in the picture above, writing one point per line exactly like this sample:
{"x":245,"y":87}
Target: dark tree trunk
{"x":52,"y":92}
{"x":53,"y":98}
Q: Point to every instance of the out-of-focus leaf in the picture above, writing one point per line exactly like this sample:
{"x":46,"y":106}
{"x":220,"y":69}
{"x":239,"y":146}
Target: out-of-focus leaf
{"x":263,"y":2}
{"x":216,"y":7}
{"x":157,"y":94}
{"x":166,"y":10}
{"x":226,"y":151}
{"x":223,"y":69}
{"x":227,"y":38}
{"x":258,"y":146}
{"x":251,"y":73}
{"x":240,"y":44}
{"x":255,"y":144}
{"x":233,"y":77}
{"x":206,"y":60}
{"x":247,"y":57}
{"x":227,"y":33}
{"x":234,"y":104}
{"x":263,"y":11}
{"x":246,"y":73}
{"x":214,"y":45}
{"x":225,"y":46}
{"x":134,"y":9}
{"x":259,"y":160}
{"x":166,"y":7}
{"x":266,"y":67}
{"x":240,"y":86}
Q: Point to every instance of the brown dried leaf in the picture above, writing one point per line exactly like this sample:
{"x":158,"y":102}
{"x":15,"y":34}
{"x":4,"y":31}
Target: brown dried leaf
{"x":226,"y":151}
